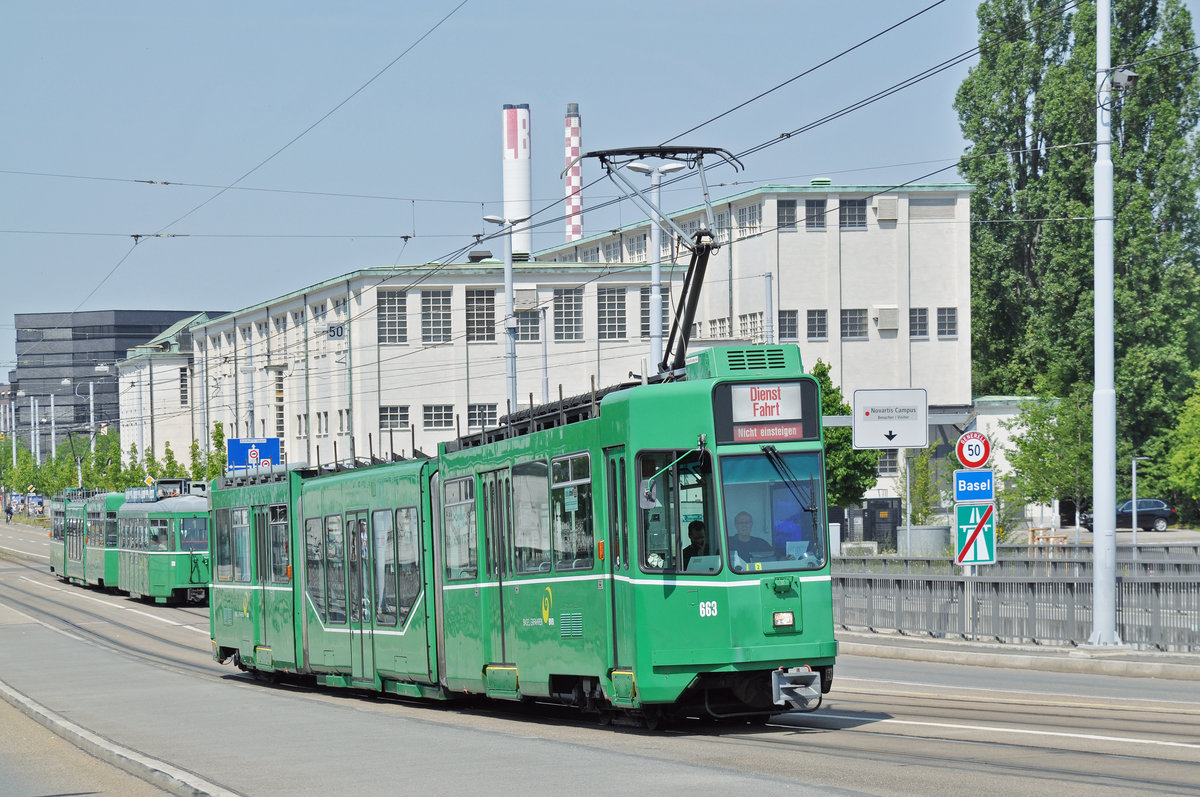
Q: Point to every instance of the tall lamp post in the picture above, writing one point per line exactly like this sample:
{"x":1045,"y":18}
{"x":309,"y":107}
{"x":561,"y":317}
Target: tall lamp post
{"x":1104,"y":394}
{"x":656,"y":331}
{"x":510,"y":318}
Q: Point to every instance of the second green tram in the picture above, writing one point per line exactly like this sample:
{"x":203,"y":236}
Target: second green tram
{"x":662,"y":552}
{"x":163,"y":542}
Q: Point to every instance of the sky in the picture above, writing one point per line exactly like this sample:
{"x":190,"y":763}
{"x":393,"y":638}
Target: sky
{"x":280,"y":144}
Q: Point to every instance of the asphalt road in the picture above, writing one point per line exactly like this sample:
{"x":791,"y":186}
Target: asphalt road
{"x":140,"y":677}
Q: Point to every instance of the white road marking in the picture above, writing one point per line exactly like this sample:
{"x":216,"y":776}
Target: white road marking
{"x":1027,"y":731}
{"x":77,"y":594}
{"x":25,"y":553}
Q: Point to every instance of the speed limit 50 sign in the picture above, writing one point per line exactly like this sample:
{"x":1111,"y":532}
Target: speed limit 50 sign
{"x":973,"y":450}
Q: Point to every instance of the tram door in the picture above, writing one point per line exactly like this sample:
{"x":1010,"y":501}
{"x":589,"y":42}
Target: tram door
{"x":359,"y":611}
{"x":496,"y":488}
{"x":262,"y":550}
{"x":619,"y":556}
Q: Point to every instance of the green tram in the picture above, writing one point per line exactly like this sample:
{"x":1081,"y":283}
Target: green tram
{"x":162,"y":542}
{"x":101,"y":553}
{"x":68,"y":529}
{"x":661,"y":552}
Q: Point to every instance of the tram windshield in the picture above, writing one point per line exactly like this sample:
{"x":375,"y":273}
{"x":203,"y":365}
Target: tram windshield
{"x":193,"y":534}
{"x":774,"y":511}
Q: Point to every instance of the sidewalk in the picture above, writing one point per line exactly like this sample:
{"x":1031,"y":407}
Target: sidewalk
{"x":1096,"y":660}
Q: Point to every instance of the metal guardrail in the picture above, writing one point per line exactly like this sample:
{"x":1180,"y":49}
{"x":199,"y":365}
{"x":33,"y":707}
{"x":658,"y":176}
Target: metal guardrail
{"x":1038,"y":599}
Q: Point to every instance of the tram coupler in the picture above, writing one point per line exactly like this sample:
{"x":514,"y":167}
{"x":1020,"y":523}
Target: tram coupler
{"x":799,"y":688}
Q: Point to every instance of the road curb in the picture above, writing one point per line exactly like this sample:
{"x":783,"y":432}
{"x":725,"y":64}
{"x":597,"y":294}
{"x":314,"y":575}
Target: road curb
{"x":1070,"y":662}
{"x":159,"y":773}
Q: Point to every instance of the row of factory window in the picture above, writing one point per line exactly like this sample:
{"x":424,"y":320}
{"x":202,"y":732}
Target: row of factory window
{"x":853,"y":325}
{"x":392,"y":417}
{"x":566,"y":321}
{"x":746,"y":221}
{"x":564,"y":316}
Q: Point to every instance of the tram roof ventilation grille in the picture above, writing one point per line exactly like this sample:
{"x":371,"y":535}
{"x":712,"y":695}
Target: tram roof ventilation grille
{"x":736,"y":361}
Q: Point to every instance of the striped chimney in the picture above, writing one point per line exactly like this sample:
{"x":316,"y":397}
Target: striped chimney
{"x":518,"y":199}
{"x":574,"y":174}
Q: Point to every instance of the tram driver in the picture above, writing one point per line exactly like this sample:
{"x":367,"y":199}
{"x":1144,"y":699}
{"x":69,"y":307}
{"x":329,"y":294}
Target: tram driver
{"x":743,"y":544}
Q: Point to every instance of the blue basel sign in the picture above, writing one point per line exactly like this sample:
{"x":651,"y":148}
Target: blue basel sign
{"x":974,"y":485}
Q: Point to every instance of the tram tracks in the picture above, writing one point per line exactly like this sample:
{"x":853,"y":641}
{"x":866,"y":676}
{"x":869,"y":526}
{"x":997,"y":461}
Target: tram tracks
{"x":894,"y":738}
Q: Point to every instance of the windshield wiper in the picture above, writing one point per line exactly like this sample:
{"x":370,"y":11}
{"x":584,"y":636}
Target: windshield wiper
{"x":790,"y":480}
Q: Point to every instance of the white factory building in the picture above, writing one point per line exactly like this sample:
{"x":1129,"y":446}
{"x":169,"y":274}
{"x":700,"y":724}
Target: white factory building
{"x":873,"y":280}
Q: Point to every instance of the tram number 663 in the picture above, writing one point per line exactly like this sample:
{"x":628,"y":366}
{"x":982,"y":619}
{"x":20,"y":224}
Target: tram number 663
{"x":708,"y":608}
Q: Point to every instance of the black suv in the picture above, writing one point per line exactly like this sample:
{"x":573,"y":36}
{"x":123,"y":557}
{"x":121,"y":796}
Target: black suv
{"x":1151,"y":514}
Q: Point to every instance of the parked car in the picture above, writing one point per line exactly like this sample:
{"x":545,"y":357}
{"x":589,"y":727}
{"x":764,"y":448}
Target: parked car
{"x":1152,"y":514}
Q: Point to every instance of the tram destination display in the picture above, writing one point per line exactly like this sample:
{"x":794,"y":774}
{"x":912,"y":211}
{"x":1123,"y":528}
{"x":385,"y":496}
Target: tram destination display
{"x":765,"y":412}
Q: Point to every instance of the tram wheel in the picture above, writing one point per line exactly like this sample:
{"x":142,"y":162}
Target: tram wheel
{"x":656,"y":719}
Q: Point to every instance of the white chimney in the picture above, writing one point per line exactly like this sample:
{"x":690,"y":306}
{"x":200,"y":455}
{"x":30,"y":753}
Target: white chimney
{"x":518,"y":198}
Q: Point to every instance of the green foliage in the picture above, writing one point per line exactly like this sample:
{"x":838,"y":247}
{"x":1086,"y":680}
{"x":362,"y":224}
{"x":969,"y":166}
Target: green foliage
{"x":1184,"y":461}
{"x":197,"y":469}
{"x":171,"y":469}
{"x":1028,"y":108}
{"x":849,"y":472}
{"x":215,"y":461}
{"x":134,"y":473}
{"x":924,"y":484}
{"x":1050,"y":449}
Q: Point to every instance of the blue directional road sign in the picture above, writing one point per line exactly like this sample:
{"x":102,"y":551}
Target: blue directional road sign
{"x":251,"y":452}
{"x":974,"y":485}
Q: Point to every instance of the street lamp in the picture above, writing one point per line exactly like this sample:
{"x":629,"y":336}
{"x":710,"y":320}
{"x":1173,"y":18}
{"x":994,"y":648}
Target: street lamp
{"x":656,"y":173}
{"x":91,"y":386}
{"x":510,"y":319}
{"x":1133,"y":502}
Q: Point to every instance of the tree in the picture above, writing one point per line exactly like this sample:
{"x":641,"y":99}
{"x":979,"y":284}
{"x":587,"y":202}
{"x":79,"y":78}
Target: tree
{"x":924,"y":484}
{"x":215,"y":461}
{"x":849,"y":473}
{"x":1184,"y":461}
{"x":196,"y":470}
{"x":1028,"y":109}
{"x":1050,"y":449}
{"x":171,"y":469}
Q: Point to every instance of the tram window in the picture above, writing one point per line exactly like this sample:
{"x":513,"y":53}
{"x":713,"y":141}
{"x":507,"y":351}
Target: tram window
{"x":240,"y":539}
{"x":383,"y":556}
{"x":224,"y":552}
{"x":408,"y":558}
{"x":461,"y":543}
{"x":335,"y":571}
{"x":531,"y":517}
{"x":193,"y":534}
{"x":280,"y":545}
{"x":110,"y":529}
{"x":314,"y":547}
{"x":675,"y":489}
{"x":160,"y":534}
{"x":571,"y":500}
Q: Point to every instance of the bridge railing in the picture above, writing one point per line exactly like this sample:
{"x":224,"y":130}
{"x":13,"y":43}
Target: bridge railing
{"x":1022,"y":599}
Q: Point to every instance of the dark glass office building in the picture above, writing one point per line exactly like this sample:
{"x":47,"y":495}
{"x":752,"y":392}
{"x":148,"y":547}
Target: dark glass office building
{"x":60,"y":356}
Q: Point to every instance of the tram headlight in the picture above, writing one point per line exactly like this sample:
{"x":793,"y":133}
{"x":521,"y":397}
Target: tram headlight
{"x":784,"y":619}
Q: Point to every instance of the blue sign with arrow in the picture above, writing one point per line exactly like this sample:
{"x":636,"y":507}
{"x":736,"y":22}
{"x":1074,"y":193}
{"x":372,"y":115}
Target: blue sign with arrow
{"x":249,"y":453}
